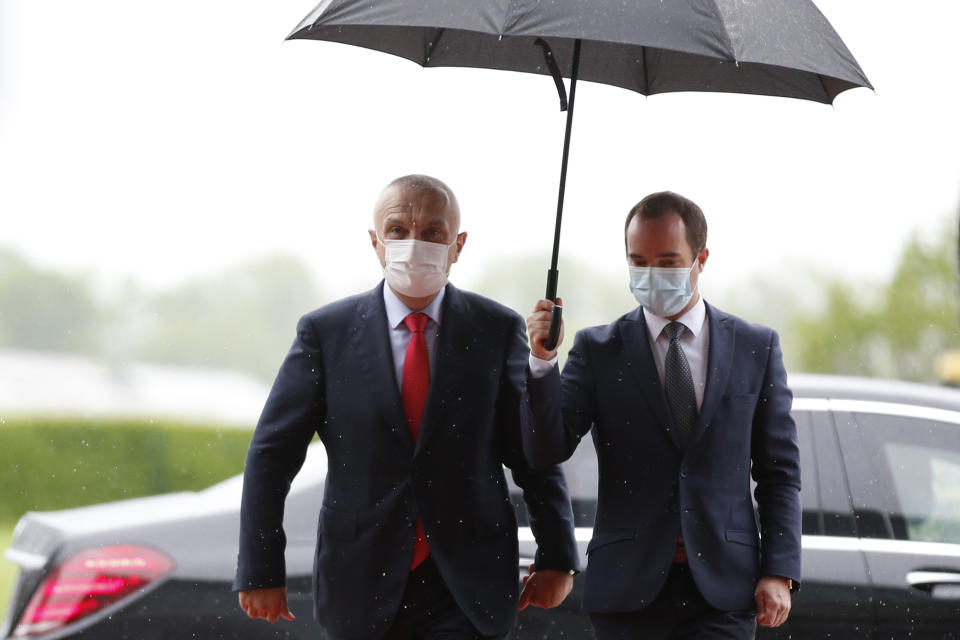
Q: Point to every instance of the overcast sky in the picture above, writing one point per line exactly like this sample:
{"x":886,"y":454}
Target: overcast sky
{"x":160,"y":141}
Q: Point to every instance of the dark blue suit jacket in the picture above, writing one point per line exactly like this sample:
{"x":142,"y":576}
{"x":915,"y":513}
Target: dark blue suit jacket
{"x":338,"y":381}
{"x":650,"y":491}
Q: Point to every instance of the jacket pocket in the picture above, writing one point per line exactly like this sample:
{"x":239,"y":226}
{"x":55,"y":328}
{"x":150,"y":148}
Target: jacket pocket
{"x":338,"y":525}
{"x":741,"y":398}
{"x":742,"y":536}
{"x":603,"y":539}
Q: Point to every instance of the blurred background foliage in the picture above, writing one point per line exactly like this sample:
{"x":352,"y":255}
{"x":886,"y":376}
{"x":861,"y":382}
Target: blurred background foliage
{"x":897,"y":329}
{"x":243,"y":318}
{"x":57,"y":463}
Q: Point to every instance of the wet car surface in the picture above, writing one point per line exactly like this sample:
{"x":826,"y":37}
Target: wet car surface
{"x":881,"y":538}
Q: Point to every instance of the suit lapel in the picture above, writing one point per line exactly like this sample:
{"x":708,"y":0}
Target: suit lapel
{"x":374,"y":353}
{"x":458,"y":333}
{"x":719,"y":358}
{"x":636,"y":341}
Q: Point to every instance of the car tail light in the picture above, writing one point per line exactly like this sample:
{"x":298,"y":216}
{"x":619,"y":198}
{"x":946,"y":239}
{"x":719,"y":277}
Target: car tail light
{"x":89,"y":581}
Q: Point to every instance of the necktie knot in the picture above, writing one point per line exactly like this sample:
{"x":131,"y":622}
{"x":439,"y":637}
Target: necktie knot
{"x":674,"y":330}
{"x":416,"y":322}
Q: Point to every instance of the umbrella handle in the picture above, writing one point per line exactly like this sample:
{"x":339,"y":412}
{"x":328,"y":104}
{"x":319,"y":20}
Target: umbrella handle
{"x":556,"y":314}
{"x":556,"y":321}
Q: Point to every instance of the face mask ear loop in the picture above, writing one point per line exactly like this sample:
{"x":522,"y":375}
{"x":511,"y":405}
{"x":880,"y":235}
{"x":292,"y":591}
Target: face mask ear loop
{"x":695,"y":289}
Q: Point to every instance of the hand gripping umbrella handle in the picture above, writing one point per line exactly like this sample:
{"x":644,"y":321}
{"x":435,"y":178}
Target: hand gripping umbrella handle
{"x":556,"y":320}
{"x":556,"y":314}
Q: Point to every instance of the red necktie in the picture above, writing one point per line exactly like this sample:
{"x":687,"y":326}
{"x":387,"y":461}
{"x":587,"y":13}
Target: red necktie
{"x":414,"y":388}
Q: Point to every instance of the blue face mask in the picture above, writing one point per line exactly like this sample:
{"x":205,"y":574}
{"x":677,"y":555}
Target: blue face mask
{"x":663,"y":291}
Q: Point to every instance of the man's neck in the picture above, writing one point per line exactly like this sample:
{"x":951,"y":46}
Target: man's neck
{"x":414,"y":304}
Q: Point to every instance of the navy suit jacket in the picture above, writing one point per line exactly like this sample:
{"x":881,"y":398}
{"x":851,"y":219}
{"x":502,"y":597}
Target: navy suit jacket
{"x":338,"y":381}
{"x":650,"y":490}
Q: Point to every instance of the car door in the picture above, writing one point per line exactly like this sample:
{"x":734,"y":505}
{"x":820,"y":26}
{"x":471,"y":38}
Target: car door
{"x":834,"y":598}
{"x":903,"y":463}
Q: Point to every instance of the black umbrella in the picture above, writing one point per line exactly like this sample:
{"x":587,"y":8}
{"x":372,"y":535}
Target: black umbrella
{"x":766,"y":47}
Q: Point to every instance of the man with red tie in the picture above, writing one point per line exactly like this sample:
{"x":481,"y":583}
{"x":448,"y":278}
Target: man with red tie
{"x":415,"y":389}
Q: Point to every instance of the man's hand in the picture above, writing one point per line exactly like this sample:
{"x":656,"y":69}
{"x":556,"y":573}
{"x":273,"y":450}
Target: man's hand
{"x":546,"y":588}
{"x":538,"y":327}
{"x":269,"y":604}
{"x":773,"y":601}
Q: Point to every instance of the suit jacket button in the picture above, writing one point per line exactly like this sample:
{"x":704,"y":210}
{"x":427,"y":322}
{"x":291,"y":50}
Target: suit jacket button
{"x":683,"y":474}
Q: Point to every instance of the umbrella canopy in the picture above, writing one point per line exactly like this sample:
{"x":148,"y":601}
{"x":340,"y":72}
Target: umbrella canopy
{"x":767,"y":47}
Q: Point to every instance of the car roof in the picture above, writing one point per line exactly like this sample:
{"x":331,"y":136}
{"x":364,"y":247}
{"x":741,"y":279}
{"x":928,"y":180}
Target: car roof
{"x":832,"y":387}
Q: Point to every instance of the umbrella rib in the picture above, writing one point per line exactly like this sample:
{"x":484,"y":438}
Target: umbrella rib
{"x":433,"y":45}
{"x":826,"y":90}
{"x":726,"y":31}
{"x":646,"y":77}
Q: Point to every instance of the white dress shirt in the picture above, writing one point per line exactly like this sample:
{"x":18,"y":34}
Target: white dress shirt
{"x":695,"y":343}
{"x":400,"y":335}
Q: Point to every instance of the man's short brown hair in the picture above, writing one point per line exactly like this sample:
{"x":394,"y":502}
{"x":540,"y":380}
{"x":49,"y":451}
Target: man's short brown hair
{"x":664,"y":202}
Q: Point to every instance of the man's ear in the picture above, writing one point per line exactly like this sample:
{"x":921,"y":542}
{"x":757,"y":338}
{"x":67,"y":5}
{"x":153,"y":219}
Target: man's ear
{"x":702,"y":257}
{"x":373,"y":238}
{"x":461,"y":240}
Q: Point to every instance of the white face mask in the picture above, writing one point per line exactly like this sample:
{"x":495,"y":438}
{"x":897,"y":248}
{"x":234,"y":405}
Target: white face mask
{"x":416,"y":268}
{"x":663,"y":291}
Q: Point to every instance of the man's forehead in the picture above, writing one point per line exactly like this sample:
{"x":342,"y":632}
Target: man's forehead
{"x":426,"y":205}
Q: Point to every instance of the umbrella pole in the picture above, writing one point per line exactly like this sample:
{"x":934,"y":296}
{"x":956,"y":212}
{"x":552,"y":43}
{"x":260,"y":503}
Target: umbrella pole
{"x":553,"y":275}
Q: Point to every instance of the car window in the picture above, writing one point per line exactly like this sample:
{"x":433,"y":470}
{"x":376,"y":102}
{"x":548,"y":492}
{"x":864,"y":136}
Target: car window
{"x":916,"y":466}
{"x":835,"y":506}
{"x":810,"y":491}
{"x":927,"y":485}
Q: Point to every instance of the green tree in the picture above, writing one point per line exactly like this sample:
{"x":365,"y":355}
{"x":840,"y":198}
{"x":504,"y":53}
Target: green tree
{"x":44,"y":310}
{"x":243,"y":318}
{"x":893,"y":330}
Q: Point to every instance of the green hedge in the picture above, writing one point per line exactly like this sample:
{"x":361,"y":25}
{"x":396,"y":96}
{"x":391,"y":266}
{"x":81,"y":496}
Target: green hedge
{"x":59,"y":462}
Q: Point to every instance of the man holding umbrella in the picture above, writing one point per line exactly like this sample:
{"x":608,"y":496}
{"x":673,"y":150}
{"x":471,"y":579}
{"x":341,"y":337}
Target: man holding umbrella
{"x":685,"y":402}
{"x":415,"y":389}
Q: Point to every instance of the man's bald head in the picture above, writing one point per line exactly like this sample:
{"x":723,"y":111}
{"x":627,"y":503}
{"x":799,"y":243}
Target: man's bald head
{"x":421,"y":185}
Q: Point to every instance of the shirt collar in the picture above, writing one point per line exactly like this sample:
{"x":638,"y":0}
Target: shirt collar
{"x":397,"y":311}
{"x":693,"y":320}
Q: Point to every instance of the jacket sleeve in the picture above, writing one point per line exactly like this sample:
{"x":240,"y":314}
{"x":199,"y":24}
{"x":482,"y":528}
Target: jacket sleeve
{"x":292,"y":414}
{"x":560,"y":412}
{"x":544,"y":490}
{"x":776,"y":469}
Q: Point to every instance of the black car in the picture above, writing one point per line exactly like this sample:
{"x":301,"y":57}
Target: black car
{"x":881,"y":538}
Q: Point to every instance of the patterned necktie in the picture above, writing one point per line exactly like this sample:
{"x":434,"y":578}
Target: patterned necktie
{"x":678,"y":383}
{"x":414,"y":389}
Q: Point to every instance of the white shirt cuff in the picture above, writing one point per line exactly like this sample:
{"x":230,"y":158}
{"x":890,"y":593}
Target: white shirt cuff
{"x":540,"y":367}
